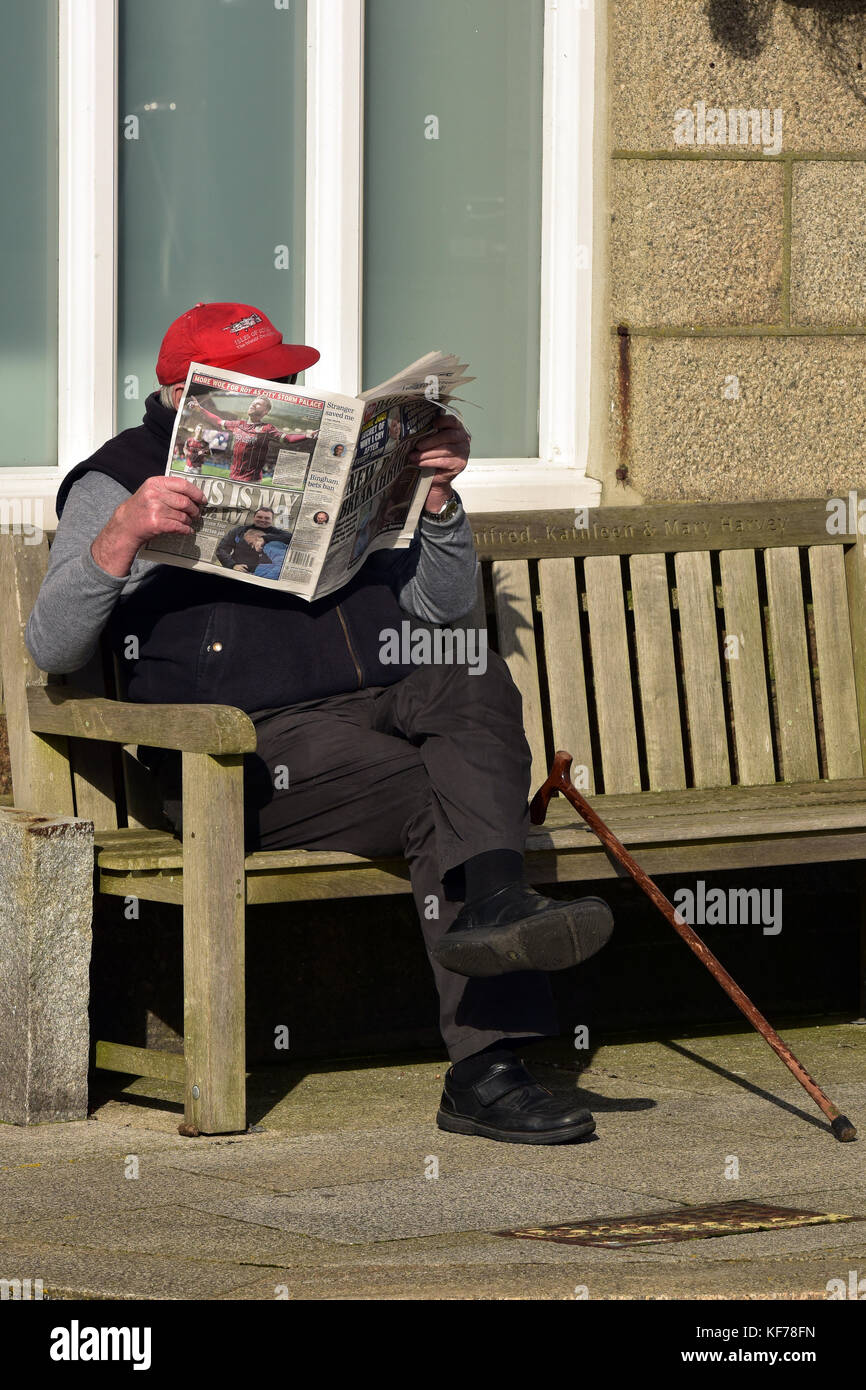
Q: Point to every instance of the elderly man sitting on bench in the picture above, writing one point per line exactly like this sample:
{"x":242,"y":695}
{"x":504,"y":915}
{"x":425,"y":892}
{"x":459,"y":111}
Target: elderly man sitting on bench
{"x":428,"y":761}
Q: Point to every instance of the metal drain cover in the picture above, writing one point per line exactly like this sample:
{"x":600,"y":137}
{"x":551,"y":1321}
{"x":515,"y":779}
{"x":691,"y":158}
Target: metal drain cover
{"x":682,"y":1223}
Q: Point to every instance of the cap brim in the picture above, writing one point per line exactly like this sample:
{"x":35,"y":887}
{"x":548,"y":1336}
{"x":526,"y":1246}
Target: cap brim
{"x":282,"y":360}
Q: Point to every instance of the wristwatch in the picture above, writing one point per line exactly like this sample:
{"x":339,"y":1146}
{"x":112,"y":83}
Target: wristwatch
{"x":446,"y":512}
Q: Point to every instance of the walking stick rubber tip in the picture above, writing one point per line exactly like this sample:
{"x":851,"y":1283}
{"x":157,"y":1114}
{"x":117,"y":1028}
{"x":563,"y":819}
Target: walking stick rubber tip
{"x":843,"y":1129}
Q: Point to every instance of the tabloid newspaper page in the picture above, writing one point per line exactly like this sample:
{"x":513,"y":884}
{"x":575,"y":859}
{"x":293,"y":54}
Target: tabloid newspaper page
{"x":301,"y":487}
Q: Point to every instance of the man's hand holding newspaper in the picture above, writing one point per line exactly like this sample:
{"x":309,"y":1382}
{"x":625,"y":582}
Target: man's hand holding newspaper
{"x":161,"y":506}
{"x":446,"y":449}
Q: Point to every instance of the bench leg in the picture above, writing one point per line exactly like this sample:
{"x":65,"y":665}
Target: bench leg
{"x":213,"y":944}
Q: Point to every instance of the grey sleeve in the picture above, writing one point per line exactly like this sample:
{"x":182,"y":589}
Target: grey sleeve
{"x":435,"y":578}
{"x":77,"y":596}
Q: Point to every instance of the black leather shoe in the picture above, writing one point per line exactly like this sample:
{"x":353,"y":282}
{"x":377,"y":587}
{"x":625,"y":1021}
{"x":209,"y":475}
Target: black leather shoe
{"x":519,"y":929}
{"x":508,"y":1104}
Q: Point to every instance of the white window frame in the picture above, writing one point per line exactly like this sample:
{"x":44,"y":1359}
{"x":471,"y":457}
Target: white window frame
{"x":87,"y":248}
{"x":88,"y":245}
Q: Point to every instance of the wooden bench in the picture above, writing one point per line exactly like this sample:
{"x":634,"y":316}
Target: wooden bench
{"x":705,"y":665}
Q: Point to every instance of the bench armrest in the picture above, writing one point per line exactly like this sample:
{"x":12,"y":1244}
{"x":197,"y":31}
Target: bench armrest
{"x":60,"y":709}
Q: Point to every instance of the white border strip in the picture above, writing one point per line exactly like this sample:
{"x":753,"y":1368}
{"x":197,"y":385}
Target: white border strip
{"x":558,"y":479}
{"x":566,"y":219}
{"x":334,"y":265}
{"x":88,"y":227}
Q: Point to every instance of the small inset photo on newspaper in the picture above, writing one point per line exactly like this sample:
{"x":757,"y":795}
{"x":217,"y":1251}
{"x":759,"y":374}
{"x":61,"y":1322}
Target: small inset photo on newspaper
{"x":258,"y":542}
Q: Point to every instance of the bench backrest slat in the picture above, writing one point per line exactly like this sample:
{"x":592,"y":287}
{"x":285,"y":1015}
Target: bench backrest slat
{"x":611,"y":670}
{"x":513,"y":605}
{"x":708,"y":740}
{"x":835,"y":661}
{"x":566,"y":676}
{"x":746,"y":669}
{"x":791,"y":666}
{"x":855,"y":579}
{"x":140,"y":794}
{"x":659,"y":697}
{"x":95,"y":768}
{"x":477,"y":615}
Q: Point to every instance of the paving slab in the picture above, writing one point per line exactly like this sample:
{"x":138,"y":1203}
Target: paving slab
{"x":842,"y":1244}
{"x":83,"y":1273}
{"x":393,"y":1208}
{"x":852,"y":1199}
{"x":171,"y":1230}
{"x":320,"y":1160}
{"x":400,"y":1210}
{"x":693,"y":1168}
{"x":782,"y":1280}
{"x":99,"y":1186}
{"x":76,"y":1139}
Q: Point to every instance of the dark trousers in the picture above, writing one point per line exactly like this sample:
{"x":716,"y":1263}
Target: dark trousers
{"x":436,"y":768}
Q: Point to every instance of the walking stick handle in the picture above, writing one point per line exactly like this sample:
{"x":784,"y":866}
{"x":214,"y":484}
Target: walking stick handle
{"x":559,"y":780}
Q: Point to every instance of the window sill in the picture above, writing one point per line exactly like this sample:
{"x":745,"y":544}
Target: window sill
{"x":525,"y":485}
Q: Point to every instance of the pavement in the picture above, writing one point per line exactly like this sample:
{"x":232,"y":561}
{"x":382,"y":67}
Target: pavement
{"x":346,"y":1189}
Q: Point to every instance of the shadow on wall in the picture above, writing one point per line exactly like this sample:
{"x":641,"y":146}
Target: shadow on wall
{"x":837,"y":28}
{"x":741,"y":26}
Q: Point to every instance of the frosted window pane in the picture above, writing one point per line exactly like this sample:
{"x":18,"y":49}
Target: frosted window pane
{"x":212,"y":190}
{"x":28,"y":231}
{"x":452,"y":225}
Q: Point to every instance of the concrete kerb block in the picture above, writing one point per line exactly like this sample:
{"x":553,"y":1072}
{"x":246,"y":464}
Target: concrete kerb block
{"x":46,"y":905}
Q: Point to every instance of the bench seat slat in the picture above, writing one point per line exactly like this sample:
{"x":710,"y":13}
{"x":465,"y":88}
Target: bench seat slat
{"x":646,"y":819}
{"x":658,"y":681}
{"x":564,"y":864}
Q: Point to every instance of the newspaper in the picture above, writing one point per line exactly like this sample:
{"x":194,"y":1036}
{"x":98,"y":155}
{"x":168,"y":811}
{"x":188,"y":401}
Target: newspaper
{"x":302,"y":486}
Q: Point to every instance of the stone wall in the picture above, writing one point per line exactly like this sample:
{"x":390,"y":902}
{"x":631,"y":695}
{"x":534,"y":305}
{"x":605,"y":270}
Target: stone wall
{"x":737,"y":271}
{"x":5,"y":769}
{"x":46,"y":878}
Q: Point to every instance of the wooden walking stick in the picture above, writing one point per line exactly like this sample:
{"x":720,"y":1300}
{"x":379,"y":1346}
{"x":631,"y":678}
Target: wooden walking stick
{"x":559,"y":781}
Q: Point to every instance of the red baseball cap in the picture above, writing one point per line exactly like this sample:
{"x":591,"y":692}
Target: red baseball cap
{"x":235,"y":336}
